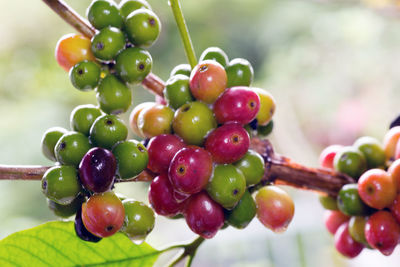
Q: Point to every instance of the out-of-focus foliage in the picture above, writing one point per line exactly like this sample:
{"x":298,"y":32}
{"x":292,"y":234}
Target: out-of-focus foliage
{"x":331,"y":65}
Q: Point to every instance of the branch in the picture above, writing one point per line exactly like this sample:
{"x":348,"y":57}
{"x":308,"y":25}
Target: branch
{"x":152,"y":82}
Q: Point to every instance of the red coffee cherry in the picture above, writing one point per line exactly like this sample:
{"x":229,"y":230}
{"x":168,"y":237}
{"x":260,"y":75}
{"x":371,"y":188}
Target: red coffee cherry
{"x":333,"y":219}
{"x":345,"y":244}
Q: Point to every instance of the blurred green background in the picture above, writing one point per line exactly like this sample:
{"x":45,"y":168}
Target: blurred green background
{"x":331,"y":65}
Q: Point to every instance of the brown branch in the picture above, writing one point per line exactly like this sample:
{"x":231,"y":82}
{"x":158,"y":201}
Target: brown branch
{"x":152,"y":82}
{"x":17,"y":172}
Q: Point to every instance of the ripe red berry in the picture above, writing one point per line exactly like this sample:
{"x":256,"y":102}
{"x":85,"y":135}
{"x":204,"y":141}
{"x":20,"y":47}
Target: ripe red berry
{"x":394,"y":171}
{"x":390,"y":142}
{"x":161,"y":149}
{"x":395,"y":208}
{"x":382,"y":232}
{"x":345,"y":244}
{"x":327,"y":155}
{"x":376,"y":188}
{"x":238,"y":104}
{"x":190,"y":169}
{"x":97,"y":169}
{"x":103,"y":214}
{"x":228,"y":143}
{"x":333,"y":219}
{"x":161,"y":197}
{"x":208,"y":81}
{"x":203,"y":215}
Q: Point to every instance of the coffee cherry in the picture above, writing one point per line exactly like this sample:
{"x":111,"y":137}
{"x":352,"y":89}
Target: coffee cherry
{"x":85,"y":75}
{"x":208,"y":81}
{"x":107,"y":130}
{"x":97,"y":170}
{"x":394,"y":171}
{"x":203,"y":215}
{"x":345,"y":244}
{"x":162,"y":148}
{"x":190,"y":169}
{"x":103,"y":214}
{"x":275,"y":208}
{"x":81,"y":230}
{"x":263,"y":131}
{"x":177,"y":91}
{"x":239,"y":72}
{"x":333,"y":219}
{"x":49,"y":141}
{"x":132,"y":158}
{"x":242,"y":214}
{"x":238,"y":104}
{"x":357,"y":229}
{"x":382,"y":232}
{"x":60,"y":184}
{"x":66,"y":211}
{"x":252,"y":166}
{"x":390,"y":141}
{"x":71,"y":147}
{"x":228,"y":143}
{"x":395,"y":208}
{"x":126,"y":7}
{"x":376,"y":188}
{"x":142,"y":27}
{"x":267,"y":106}
{"x":139,"y":219}
{"x":114,"y":97}
{"x":349,"y":201}
{"x":193,"y":121}
{"x":216,"y":54}
{"x":72,"y":49}
{"x":327,"y":156}
{"x":104,"y":13}
{"x":161,"y":197}
{"x":328,"y":202}
{"x":82,"y":118}
{"x":350,"y":161}
{"x":372,"y":151}
{"x":107,"y":43}
{"x":133,"y":117}
{"x":226,"y":186}
{"x":133,"y":64}
{"x":155,"y":120}
{"x":183,"y":69}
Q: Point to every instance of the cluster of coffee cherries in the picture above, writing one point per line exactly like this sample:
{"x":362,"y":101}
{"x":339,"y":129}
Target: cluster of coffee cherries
{"x":94,"y":153}
{"x":199,"y":147}
{"x":365,"y":214}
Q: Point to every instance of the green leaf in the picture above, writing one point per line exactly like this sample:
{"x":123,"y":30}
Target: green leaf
{"x":56,"y":244}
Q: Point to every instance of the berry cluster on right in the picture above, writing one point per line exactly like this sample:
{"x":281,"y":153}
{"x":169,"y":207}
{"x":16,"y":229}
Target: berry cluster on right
{"x":365,"y":214}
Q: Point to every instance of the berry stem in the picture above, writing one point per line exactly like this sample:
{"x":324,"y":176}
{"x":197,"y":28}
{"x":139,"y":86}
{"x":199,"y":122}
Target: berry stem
{"x":17,"y":172}
{"x":152,"y":82}
{"x":189,"y":251}
{"x":184,"y":32}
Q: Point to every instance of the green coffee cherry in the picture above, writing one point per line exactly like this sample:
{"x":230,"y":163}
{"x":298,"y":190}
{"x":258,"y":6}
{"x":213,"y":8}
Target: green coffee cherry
{"x":114,"y":96}
{"x":126,"y":7}
{"x":107,"y":130}
{"x":107,"y":43}
{"x":215,"y":53}
{"x":103,"y":13}
{"x":85,"y":75}
{"x":252,"y":167}
{"x":71,"y":148}
{"x":183,"y":69}
{"x":349,"y":201}
{"x":61,"y":184}
{"x":243,"y":213}
{"x":133,"y":64}
{"x":49,"y":141}
{"x":351,"y":161}
{"x":227,"y":185}
{"x":357,"y":229}
{"x":82,"y":118}
{"x":142,"y":27}
{"x":177,"y":91}
{"x":264,"y":131}
{"x":328,"y":202}
{"x":372,"y":151}
{"x":139,"y":219}
{"x":239,"y":72}
{"x":66,"y":211}
{"x":132,"y":158}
